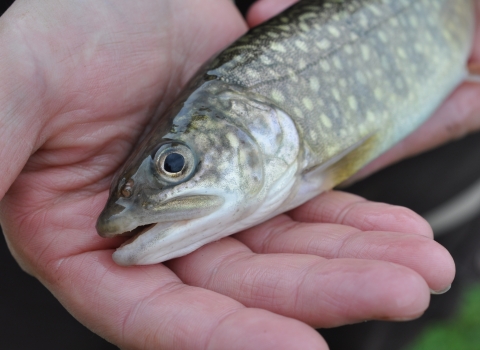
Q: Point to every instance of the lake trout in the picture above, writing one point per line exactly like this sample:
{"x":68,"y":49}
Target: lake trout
{"x":291,"y":109}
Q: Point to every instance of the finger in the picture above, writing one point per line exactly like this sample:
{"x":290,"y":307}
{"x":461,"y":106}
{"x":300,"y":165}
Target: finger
{"x":148,"y":307}
{"x":21,"y":117}
{"x":343,"y":208}
{"x":124,"y":304}
{"x":476,"y":45}
{"x":423,"y":255}
{"x":320,"y":292}
{"x":263,"y":10}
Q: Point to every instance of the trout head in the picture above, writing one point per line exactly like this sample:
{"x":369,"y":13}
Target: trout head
{"x":192,"y":177}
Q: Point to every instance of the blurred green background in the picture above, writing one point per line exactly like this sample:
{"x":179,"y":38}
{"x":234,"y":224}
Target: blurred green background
{"x":460,"y":332}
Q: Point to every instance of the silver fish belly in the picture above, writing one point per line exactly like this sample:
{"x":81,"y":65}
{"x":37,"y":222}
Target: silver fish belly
{"x":291,"y":109}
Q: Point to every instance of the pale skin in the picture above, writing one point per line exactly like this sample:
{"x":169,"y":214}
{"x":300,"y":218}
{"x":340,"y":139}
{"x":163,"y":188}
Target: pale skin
{"x":80,"y":79}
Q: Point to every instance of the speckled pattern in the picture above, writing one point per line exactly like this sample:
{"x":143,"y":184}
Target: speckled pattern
{"x":291,"y":109}
{"x":342,"y":68}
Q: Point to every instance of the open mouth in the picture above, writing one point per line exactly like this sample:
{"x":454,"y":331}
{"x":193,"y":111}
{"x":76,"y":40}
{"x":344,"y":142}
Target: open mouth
{"x":136,"y":231}
{"x":140,"y":230}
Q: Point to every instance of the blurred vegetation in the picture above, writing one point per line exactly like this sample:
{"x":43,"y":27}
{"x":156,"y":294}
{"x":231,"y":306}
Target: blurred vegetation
{"x":459,"y":333}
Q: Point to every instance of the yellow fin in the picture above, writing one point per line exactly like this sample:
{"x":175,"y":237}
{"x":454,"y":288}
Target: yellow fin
{"x":345,"y":164}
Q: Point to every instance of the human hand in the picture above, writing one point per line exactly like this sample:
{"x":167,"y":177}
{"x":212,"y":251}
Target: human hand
{"x":79,"y":82}
{"x":458,"y":115}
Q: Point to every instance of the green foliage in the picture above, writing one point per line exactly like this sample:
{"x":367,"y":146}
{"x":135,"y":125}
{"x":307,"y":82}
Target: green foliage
{"x":459,"y":333}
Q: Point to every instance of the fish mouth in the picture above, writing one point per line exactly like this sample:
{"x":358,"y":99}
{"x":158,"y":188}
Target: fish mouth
{"x":119,"y":220}
{"x":165,"y":239}
{"x":137,"y":232}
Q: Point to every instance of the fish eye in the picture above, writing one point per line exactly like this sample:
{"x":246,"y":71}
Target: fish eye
{"x":174,"y":162}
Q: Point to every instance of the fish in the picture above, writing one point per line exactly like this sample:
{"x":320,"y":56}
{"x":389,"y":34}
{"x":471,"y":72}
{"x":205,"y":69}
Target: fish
{"x":291,"y":109}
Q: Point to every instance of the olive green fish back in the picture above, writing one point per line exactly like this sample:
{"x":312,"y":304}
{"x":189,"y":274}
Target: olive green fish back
{"x":343,"y":69}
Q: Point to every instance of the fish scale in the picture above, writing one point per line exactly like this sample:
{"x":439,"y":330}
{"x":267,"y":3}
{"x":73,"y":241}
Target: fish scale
{"x":294,"y":107}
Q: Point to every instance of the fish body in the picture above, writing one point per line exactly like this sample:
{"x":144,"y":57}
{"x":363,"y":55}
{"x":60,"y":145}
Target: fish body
{"x":291,"y":109}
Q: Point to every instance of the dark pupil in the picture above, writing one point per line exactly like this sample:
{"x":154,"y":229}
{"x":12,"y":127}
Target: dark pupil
{"x":174,"y":163}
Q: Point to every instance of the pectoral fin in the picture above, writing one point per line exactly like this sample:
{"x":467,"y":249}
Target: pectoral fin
{"x":343,"y":165}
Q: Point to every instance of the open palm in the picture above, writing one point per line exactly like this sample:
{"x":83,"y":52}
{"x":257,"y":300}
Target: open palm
{"x":80,"y":80}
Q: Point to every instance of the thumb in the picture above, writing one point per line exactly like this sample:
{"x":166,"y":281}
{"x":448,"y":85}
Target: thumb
{"x":263,"y":10}
{"x":21,"y":111}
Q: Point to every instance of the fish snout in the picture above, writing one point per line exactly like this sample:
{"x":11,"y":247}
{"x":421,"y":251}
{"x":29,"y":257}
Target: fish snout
{"x":111,"y":224}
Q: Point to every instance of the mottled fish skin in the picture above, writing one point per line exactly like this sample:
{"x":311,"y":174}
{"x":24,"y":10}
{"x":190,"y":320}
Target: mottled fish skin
{"x":342,"y":68}
{"x":291,"y":109}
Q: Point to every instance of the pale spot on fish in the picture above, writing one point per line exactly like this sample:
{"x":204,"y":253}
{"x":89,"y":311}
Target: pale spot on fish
{"x":302,"y":64}
{"x":383,"y":36}
{"x":308,"y":103}
{"x":401,"y":53}
{"x":298,"y":112}
{"x":303,"y":26}
{"x":242,"y":157}
{"x":277,"y":47}
{"x":325,"y":65}
{"x":301,"y":45}
{"x":336,"y":94}
{"x":348,"y":49}
{"x":335,"y":17}
{"x":375,"y":10}
{"x":284,"y":27}
{"x":307,"y":15}
{"x":334,"y":31}
{"x":266,"y":60}
{"x":293,"y":75}
{"x":314,"y":84}
{"x":378,"y":93}
{"x":277,"y":95}
{"x":337,"y":63}
{"x":370,"y":116}
{"x":233,"y":140}
{"x":326,"y":120}
{"x":323,"y":44}
{"x":251,"y":73}
{"x":363,"y":130}
{"x":352,"y":102}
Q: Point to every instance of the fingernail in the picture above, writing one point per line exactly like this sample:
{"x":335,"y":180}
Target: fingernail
{"x":443,"y":291}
